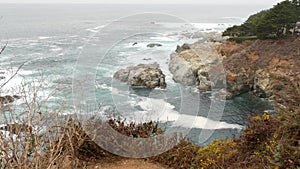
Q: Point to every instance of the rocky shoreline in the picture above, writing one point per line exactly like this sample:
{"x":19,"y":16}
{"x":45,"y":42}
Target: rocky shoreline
{"x":257,"y":67}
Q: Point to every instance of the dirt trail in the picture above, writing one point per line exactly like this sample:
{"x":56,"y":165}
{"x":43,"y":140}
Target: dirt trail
{"x":128,"y":164}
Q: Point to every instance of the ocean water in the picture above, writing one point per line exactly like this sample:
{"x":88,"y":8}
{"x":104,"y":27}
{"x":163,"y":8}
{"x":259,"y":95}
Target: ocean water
{"x":62,"y":45}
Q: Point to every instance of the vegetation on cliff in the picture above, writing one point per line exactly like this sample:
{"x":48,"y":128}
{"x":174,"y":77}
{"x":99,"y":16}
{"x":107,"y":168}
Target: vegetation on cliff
{"x":275,"y":22}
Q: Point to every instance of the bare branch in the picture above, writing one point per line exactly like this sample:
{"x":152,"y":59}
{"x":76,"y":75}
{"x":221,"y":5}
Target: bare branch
{"x":3,"y":48}
{"x":19,"y":68}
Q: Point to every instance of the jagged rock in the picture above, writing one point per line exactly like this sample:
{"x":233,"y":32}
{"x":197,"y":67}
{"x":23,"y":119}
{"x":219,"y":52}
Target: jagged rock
{"x":203,"y":82}
{"x":240,"y":83}
{"x":191,"y":67}
{"x":142,"y":75}
{"x":223,"y":94}
{"x":152,"y":45}
{"x":262,"y":84}
{"x":182,"y":71}
{"x":8,"y":99}
{"x":183,"y":48}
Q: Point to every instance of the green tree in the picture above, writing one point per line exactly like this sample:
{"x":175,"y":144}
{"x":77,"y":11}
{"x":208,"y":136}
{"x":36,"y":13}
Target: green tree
{"x":275,"y":22}
{"x":282,"y":16}
{"x":296,"y":2}
{"x":248,"y":28}
{"x":250,"y":25}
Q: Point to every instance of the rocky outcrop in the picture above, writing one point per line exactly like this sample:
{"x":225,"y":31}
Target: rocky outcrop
{"x":142,"y":75}
{"x":262,"y":84}
{"x":263,"y":67}
{"x":192,"y":66}
{"x":238,"y":83}
{"x":152,"y":45}
{"x":8,"y":99}
{"x":182,"y":48}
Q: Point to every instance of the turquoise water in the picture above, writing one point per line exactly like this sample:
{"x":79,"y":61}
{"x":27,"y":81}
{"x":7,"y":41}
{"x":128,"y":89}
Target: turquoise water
{"x":55,"y":40}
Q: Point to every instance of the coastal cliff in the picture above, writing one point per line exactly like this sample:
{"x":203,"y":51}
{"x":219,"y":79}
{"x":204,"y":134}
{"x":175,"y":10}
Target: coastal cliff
{"x":264,"y":67}
{"x":261,"y":67}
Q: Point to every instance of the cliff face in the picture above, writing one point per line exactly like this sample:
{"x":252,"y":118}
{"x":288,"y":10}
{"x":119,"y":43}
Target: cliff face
{"x":265,"y":67}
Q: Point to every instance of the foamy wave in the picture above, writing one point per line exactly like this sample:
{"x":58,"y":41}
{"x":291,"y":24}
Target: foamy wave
{"x":103,"y":86}
{"x":158,"y":109}
{"x":44,"y":37}
{"x":95,"y":29}
{"x":162,"y":39}
{"x":211,"y":27}
{"x":92,"y":30}
{"x":56,"y":49}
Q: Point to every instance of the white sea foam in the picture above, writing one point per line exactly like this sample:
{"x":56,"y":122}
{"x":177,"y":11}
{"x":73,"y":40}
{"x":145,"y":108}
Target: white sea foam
{"x":162,"y":38}
{"x":158,"y":109}
{"x":103,"y":86}
{"x":95,"y":29}
{"x":44,"y":37}
{"x":56,"y":49}
{"x":92,"y":30}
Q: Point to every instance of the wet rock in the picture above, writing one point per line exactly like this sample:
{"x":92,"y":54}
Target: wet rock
{"x":152,"y":45}
{"x":142,"y":75}
{"x":8,"y":99}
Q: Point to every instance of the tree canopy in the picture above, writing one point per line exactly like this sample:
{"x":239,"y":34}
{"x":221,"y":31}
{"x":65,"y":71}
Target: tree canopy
{"x":275,"y":22}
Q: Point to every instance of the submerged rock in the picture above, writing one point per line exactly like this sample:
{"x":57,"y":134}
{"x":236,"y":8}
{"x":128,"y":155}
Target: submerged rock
{"x":142,"y":75}
{"x":152,"y":45}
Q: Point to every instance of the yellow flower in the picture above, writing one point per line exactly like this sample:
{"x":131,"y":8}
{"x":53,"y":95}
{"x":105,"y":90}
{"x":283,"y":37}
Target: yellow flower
{"x":266,"y":116}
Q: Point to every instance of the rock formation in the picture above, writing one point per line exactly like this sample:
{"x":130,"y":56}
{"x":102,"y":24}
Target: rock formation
{"x":152,"y":45}
{"x":8,"y":99}
{"x":193,"y":65}
{"x":262,"y":67}
{"x":183,"y":48}
{"x":142,"y":75}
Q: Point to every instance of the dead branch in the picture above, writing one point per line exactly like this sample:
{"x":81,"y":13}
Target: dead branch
{"x":3,"y":48}
{"x":19,"y":68}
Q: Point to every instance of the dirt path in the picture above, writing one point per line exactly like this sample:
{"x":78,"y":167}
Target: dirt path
{"x":129,"y":164}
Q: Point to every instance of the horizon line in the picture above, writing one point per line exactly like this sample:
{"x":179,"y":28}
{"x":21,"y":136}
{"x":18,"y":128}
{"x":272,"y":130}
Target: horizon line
{"x":39,"y":3}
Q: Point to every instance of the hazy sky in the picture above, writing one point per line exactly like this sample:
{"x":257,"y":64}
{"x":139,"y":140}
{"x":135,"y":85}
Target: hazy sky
{"x":247,"y":2}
